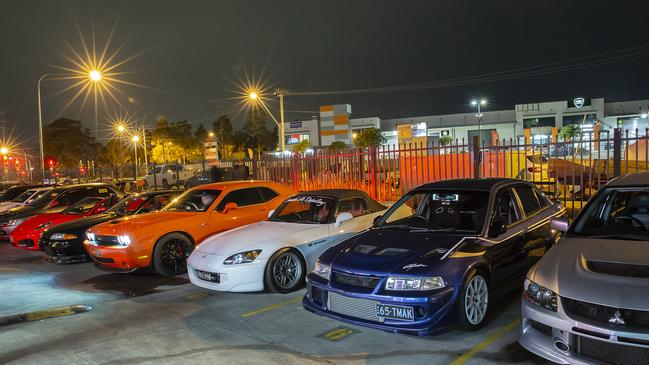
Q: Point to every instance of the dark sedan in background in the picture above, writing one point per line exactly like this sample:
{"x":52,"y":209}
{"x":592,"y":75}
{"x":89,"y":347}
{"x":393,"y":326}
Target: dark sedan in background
{"x":54,"y":201}
{"x":440,"y":256}
{"x":64,"y":243}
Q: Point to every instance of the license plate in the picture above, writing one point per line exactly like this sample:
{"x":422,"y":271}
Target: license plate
{"x":208,"y":276}
{"x":395,"y":312}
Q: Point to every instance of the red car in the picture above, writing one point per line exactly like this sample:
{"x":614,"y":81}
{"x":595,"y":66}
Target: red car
{"x":28,"y":234}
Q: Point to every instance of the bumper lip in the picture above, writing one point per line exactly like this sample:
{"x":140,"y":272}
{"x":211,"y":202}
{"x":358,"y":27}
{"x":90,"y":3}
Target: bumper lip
{"x":439,"y":322}
{"x":543,"y":345}
{"x":235,"y":278}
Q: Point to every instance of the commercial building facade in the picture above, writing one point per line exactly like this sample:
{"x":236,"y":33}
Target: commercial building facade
{"x":536,"y":122}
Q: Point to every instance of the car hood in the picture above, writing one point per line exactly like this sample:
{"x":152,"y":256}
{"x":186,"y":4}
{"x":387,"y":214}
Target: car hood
{"x":142,"y":221}
{"x":388,"y":251}
{"x":26,"y":211}
{"x":251,"y":236}
{"x":571,"y":270}
{"x":30,"y":224}
{"x":81,"y":224}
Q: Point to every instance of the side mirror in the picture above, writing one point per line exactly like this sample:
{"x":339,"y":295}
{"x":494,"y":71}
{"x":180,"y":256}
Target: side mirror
{"x":229,"y":207}
{"x":497,"y":228}
{"x":559,"y":224}
{"x":377,"y":219}
{"x":270,"y":214}
{"x":343,"y":217}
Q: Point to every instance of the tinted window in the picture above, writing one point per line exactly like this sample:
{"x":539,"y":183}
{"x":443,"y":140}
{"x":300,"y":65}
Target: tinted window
{"x":241,"y":197}
{"x":528,"y":199}
{"x":543,"y":201}
{"x":616,"y":213}
{"x":505,"y":208}
{"x":355,"y":206}
{"x":267,"y":193}
{"x":72,"y":197}
{"x":194,"y":200}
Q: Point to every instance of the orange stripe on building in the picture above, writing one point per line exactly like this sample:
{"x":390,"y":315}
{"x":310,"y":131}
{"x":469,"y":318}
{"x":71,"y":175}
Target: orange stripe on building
{"x":326,"y":108}
{"x":334,"y":132}
{"x":341,"y":118}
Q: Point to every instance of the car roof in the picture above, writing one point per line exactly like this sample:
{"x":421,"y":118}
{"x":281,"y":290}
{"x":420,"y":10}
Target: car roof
{"x":487,"y":184}
{"x":336,"y":193}
{"x":236,"y":184}
{"x":640,"y":178}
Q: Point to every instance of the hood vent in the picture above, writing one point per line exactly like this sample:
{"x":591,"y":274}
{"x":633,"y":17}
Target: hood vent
{"x":618,"y":269}
{"x":379,"y":251}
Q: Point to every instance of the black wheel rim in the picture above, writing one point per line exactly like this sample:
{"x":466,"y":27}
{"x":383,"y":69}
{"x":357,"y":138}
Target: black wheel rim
{"x":173,"y":255}
{"x":287,"y":270}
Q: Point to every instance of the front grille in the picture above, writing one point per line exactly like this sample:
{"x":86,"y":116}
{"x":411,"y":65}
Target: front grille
{"x":359,"y":281}
{"x":106,"y":241}
{"x":544,"y":329}
{"x":612,"y":353}
{"x":613,"y":268}
{"x":353,"y":307}
{"x":602,"y":314}
{"x":104,"y":259}
{"x":317,"y":295}
{"x":26,"y":243}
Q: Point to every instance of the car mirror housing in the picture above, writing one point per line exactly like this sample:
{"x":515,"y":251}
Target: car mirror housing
{"x":230,"y":206}
{"x":343,"y":217}
{"x":559,"y":224}
{"x":376,"y":220}
{"x":497,"y":228}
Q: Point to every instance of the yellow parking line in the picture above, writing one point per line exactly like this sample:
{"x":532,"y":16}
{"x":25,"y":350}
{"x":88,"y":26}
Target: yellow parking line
{"x":484,"y":344}
{"x":271,"y":307}
{"x":338,"y":333}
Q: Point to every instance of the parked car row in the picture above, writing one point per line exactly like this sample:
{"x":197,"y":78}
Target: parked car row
{"x":438,"y":258}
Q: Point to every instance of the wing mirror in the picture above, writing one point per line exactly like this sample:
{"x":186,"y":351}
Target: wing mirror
{"x":229,"y":207}
{"x":497,"y":228}
{"x":343,"y":217}
{"x":559,"y":224}
{"x":270,"y":214}
{"x":376,"y":220}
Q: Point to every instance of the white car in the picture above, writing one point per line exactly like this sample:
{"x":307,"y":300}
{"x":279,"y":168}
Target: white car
{"x":23,"y":198}
{"x":278,"y":253}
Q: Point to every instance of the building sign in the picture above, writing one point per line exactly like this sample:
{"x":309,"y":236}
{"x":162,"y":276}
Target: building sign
{"x":296,"y":124}
{"x":578,"y":102}
{"x":445,"y":132}
{"x":210,"y":150}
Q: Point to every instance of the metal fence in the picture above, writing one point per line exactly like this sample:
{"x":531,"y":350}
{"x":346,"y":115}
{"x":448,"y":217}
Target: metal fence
{"x":568,"y":170}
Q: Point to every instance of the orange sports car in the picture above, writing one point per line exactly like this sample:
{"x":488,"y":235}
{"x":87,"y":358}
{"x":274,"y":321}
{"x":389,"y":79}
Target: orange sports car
{"x":164,"y":239}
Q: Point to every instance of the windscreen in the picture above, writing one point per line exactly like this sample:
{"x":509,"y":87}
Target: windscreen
{"x":304,"y":209}
{"x":194,"y":200}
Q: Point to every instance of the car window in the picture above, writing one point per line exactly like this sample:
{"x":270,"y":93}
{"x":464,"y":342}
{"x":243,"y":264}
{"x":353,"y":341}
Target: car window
{"x":304,"y":209}
{"x":155,"y":203}
{"x":528,"y":199}
{"x":241,"y":198}
{"x":24,"y":196}
{"x":543,"y":201}
{"x":267,"y":193}
{"x":505,"y":208}
{"x":84,"y":206}
{"x":355,"y":206}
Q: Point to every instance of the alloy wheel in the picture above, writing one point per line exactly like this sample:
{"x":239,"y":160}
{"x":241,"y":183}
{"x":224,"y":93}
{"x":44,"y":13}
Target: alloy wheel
{"x":287,"y":270}
{"x":174,"y":255}
{"x":476,"y":300}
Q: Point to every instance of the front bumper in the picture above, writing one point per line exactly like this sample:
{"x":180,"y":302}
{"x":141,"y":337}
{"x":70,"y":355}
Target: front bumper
{"x":587,"y":343}
{"x":26,"y":241}
{"x":433,"y":314}
{"x":65,"y":252}
{"x":117,"y":258}
{"x":235,"y":278}
{"x":5,"y":231}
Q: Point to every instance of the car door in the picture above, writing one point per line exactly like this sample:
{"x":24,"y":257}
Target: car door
{"x":250,"y":209}
{"x":539,"y":237}
{"x":504,"y":250}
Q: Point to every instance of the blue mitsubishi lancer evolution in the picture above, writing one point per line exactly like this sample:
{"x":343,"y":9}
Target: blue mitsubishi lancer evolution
{"x":438,"y":257}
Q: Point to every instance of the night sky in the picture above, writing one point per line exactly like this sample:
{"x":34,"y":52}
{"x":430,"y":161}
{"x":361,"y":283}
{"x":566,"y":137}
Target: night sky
{"x":195,"y":49}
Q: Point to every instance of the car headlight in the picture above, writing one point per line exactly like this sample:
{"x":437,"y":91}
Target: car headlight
{"x":242,"y":257}
{"x":63,"y":236}
{"x":541,"y":296}
{"x":91,"y":237}
{"x":124,"y":240}
{"x":412,"y":284}
{"x":13,"y":222}
{"x":43,"y":225}
{"x":322,"y":270}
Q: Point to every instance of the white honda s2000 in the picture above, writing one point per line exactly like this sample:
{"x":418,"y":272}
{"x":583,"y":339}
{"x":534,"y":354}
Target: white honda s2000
{"x":277,"y":253}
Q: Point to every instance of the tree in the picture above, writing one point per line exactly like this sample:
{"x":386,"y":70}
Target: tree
{"x":301,"y":146}
{"x":68,"y":142}
{"x":569,"y":132}
{"x":337,"y":146}
{"x":369,"y":137}
{"x":445,"y":140}
{"x":260,"y":138}
{"x":118,"y":155}
{"x":200,"y":133}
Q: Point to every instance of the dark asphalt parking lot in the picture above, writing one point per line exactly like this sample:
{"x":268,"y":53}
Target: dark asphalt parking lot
{"x":145,"y":318}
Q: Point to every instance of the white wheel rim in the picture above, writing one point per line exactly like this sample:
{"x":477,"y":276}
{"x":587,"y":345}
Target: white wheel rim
{"x":476,"y":300}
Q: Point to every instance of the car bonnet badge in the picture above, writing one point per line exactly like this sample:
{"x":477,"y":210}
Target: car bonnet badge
{"x":617,"y":318}
{"x":412,"y":266}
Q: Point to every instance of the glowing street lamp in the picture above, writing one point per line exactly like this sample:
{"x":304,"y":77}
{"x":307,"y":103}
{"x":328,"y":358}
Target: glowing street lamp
{"x":479,"y":103}
{"x":121,"y":128}
{"x":94,"y":75}
{"x":254,"y":97}
{"x":4,"y":150}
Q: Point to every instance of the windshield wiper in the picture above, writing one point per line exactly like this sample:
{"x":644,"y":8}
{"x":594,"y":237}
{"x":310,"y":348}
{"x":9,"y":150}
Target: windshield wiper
{"x":622,"y":236}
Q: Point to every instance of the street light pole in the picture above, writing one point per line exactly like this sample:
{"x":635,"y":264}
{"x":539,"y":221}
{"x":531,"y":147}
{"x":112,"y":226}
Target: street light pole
{"x":282,"y":140}
{"x":135,"y":140}
{"x":280,"y":126}
{"x":479,"y":103}
{"x":40,"y":126}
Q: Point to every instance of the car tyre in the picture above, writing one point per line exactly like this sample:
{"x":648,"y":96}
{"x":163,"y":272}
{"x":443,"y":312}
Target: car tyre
{"x":285,"y":271}
{"x":170,"y":254}
{"x":474,"y":303}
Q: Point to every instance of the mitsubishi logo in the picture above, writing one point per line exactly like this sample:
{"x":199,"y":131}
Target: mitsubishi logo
{"x":617,"y":319}
{"x":579,"y":102}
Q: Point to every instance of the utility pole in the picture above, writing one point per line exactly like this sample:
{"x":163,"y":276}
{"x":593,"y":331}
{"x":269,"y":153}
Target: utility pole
{"x":280,"y":130}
